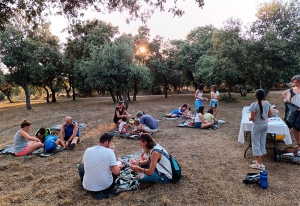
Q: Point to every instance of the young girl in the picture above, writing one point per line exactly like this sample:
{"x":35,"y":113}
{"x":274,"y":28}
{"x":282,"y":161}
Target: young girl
{"x":124,"y":126}
{"x":214,"y":97}
{"x":259,"y":113}
{"x":199,"y":97}
{"x":136,"y":123}
{"x":177,"y":112}
{"x":188,"y":113}
{"x":200,"y":122}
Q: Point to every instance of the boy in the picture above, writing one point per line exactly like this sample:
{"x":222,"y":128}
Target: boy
{"x":52,"y":141}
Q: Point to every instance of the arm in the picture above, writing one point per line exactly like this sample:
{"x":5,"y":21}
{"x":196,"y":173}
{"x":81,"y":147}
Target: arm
{"x":62,"y":132}
{"x":117,"y":111}
{"x":217,"y":97}
{"x":269,"y":113}
{"x":75,"y":129}
{"x":284,"y":93}
{"x":196,"y":94}
{"x":252,"y":114}
{"x":288,"y":96}
{"x":26,"y":136}
{"x":126,"y":113}
{"x":202,"y":118}
{"x":154,"y":160}
{"x":115,"y":169}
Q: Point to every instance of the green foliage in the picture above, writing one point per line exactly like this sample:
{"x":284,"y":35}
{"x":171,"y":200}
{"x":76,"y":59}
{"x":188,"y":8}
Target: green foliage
{"x":2,"y":96}
{"x":228,"y":99}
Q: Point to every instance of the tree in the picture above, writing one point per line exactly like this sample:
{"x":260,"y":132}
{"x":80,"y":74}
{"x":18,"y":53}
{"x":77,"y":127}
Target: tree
{"x":16,"y":51}
{"x":74,"y":9}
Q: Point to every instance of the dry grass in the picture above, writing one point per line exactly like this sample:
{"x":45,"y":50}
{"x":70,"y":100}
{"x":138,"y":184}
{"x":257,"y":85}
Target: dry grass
{"x":212,"y":161}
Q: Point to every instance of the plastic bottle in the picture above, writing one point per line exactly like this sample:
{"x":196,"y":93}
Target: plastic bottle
{"x":263,"y":183}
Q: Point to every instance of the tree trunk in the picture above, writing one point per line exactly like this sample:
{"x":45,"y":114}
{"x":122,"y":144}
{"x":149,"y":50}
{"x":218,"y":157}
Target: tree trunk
{"x":166,"y":91}
{"x":125,"y":99}
{"x":53,"y":95}
{"x":9,"y":95}
{"x":135,"y":91}
{"x":112,"y":95}
{"x":47,"y":93}
{"x":25,"y":87}
{"x":128,"y":95}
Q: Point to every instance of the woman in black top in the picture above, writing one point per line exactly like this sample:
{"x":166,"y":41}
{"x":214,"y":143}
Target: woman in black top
{"x":120,"y":111}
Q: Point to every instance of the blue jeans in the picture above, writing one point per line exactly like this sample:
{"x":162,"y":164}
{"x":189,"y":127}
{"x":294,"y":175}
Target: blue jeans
{"x":155,"y":177}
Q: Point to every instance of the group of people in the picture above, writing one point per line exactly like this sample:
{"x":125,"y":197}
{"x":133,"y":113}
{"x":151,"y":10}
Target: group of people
{"x":24,"y":144}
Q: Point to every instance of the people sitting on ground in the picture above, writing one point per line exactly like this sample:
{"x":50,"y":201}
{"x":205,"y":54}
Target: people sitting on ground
{"x":98,"y":166}
{"x":177,"y":112}
{"x":124,"y":126}
{"x":209,"y":117}
{"x":147,"y":123}
{"x":52,"y":141}
{"x":69,"y":133}
{"x":188,"y":113}
{"x":200,"y":122}
{"x":42,"y":133}
{"x":24,"y":144}
{"x":120,"y":112}
{"x":156,"y":168}
{"x":135,"y":130}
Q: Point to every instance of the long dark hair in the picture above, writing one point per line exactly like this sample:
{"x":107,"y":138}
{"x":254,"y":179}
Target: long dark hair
{"x":150,"y":141}
{"x":201,"y":87}
{"x":200,"y":109}
{"x":260,"y":95}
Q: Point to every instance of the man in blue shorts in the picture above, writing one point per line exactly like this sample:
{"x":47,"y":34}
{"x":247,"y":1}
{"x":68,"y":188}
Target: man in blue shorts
{"x":147,"y":123}
{"x":69,"y":133}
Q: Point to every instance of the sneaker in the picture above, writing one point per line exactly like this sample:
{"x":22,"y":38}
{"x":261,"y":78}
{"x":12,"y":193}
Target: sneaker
{"x":72,"y":146}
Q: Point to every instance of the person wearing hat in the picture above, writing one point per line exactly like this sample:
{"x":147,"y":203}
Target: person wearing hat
{"x":120,"y":112}
{"x":147,"y":123}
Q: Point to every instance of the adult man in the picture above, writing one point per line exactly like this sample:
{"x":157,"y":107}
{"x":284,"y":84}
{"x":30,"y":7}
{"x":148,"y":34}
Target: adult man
{"x":42,"y":133}
{"x":147,"y":123}
{"x":69,"y":133}
{"x":99,"y":163}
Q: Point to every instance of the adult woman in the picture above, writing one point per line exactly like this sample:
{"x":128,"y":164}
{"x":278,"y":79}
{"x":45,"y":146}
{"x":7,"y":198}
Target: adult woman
{"x":293,"y":96}
{"x":200,"y":122}
{"x":120,"y":112}
{"x":156,"y":168}
{"x":199,"y":97}
{"x":214,"y":99}
{"x":259,"y":114}
{"x":177,"y":112}
{"x":23,"y":143}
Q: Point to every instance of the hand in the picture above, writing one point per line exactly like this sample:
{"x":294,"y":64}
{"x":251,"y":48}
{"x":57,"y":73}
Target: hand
{"x":134,"y":167}
{"x":121,"y":166}
{"x":67,"y":144}
{"x":133,"y":162}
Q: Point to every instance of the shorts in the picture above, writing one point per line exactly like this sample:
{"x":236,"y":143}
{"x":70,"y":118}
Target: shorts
{"x":23,"y":152}
{"x":123,"y":131}
{"x":198,"y":124}
{"x":213,"y":103}
{"x":155,"y":177}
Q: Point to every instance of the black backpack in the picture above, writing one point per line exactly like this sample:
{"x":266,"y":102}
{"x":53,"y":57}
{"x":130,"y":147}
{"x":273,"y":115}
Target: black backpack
{"x":176,"y":169}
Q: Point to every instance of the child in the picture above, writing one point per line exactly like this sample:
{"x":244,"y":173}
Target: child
{"x":188,"y":113}
{"x":136,"y":123}
{"x":200,"y":122}
{"x":208,"y":116}
{"x":52,"y":141}
{"x":259,"y":113}
{"x":214,"y":97}
{"x":124,"y":126}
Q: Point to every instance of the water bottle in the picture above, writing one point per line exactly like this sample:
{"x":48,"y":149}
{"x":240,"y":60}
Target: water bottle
{"x":263,"y":183}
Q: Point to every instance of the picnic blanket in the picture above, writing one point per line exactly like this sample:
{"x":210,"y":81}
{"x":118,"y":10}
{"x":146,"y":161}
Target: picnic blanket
{"x":40,"y":152}
{"x":57,"y":127}
{"x":186,"y":124}
{"x":126,"y":135}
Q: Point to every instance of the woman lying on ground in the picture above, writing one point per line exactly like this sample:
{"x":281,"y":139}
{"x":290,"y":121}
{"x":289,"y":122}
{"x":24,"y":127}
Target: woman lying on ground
{"x":156,"y":168}
{"x":177,"y":112}
{"x":23,"y":143}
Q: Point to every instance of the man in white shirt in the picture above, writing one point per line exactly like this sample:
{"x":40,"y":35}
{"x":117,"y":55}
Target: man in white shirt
{"x":98,"y":166}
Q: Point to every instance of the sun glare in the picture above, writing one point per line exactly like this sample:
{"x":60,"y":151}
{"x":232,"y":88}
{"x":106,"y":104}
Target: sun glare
{"x":142,"y":49}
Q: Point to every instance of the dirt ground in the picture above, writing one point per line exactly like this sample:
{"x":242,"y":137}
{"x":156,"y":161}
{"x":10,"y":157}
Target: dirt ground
{"x":212,"y":160}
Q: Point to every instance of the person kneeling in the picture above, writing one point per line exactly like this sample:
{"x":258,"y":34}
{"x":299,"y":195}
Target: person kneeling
{"x":157,"y":168}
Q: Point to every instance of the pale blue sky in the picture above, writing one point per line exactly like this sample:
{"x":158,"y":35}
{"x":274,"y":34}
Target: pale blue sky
{"x":214,"y":12}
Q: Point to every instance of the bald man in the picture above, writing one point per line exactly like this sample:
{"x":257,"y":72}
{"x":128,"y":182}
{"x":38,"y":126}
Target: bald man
{"x":69,"y":133}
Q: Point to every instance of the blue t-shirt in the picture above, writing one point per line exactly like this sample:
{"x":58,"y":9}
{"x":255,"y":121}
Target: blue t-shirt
{"x":149,"y":121}
{"x":69,"y":130}
{"x":50,"y":144}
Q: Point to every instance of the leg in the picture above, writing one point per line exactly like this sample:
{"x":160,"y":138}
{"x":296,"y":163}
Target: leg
{"x":80,"y":171}
{"x":60,"y":142}
{"x":215,"y":112}
{"x":74,"y":142}
{"x":206,"y":125}
{"x":297,"y":135}
{"x":32,"y":146}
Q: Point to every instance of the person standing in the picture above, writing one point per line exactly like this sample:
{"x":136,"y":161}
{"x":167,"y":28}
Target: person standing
{"x":259,"y":114}
{"x":293,"y":96}
{"x":69,"y":133}
{"x":120,"y":112}
{"x":24,"y":144}
{"x":199,"y":97}
{"x":99,"y":164}
{"x":147,"y":123}
{"x":214,"y":99}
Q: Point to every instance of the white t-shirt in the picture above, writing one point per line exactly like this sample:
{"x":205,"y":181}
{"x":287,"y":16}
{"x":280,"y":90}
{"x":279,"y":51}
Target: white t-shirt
{"x":97,"y":161}
{"x":121,"y":125}
{"x":214,"y":95}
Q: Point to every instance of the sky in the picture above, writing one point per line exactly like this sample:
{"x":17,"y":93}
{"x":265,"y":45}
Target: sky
{"x":214,"y":12}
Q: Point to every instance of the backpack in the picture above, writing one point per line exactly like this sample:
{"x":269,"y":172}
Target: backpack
{"x":176,"y":169}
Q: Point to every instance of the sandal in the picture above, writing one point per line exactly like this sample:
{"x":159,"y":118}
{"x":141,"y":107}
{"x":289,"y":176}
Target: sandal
{"x":257,"y":166}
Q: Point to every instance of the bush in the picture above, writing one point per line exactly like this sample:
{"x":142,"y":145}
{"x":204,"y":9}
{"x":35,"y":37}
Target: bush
{"x":228,"y":99}
{"x":2,"y":96}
